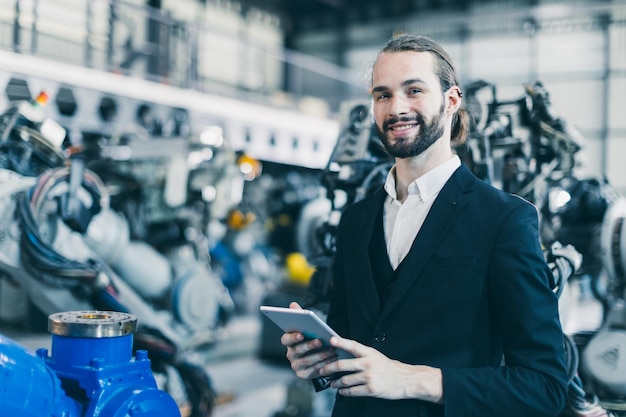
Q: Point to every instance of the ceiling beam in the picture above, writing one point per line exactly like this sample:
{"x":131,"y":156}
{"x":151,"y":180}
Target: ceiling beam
{"x":336,"y":4}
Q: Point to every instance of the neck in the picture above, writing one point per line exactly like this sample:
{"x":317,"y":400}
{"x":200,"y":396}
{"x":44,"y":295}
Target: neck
{"x":410,"y":169}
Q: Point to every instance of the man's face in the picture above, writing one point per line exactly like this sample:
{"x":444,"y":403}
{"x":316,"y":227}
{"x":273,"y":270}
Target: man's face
{"x":409,"y":107}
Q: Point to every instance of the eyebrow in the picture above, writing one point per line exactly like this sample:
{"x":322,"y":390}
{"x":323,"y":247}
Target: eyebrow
{"x":404,"y":84}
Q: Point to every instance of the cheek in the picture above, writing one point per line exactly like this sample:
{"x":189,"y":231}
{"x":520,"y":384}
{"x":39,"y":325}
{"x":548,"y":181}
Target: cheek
{"x":379,"y":115}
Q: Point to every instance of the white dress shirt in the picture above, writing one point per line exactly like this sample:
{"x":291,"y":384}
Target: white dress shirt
{"x":404,"y":220}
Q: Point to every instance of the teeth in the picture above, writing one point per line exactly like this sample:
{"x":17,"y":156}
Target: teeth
{"x":405,"y":127}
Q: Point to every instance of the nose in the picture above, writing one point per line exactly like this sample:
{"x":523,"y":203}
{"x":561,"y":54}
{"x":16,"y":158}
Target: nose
{"x":398,"y":105}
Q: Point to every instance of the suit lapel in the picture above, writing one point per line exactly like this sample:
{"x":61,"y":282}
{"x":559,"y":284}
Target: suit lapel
{"x":446,"y":207}
{"x":362,"y":269}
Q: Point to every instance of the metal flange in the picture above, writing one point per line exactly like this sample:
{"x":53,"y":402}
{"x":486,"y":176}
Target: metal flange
{"x":94,"y":324}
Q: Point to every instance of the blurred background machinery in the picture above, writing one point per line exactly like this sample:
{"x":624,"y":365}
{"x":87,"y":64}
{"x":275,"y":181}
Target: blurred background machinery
{"x":185,"y":161}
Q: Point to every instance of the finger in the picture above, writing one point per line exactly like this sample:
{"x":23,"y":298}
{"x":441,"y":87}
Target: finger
{"x":351,"y":346}
{"x":305,"y":348}
{"x":316,"y":360}
{"x":351,"y":384}
{"x":341,"y":366}
{"x":295,"y":305}
{"x":354,"y":391}
{"x":308,"y":366}
{"x":291,"y":338}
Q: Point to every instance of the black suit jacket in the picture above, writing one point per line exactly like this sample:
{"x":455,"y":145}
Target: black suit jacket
{"x":472,"y":297}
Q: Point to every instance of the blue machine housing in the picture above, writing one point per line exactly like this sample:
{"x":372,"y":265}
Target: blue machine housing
{"x":91,"y":372}
{"x":28,"y":388}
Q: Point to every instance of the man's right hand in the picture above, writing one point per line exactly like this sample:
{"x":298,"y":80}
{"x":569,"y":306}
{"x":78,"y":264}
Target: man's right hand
{"x":307,"y":357}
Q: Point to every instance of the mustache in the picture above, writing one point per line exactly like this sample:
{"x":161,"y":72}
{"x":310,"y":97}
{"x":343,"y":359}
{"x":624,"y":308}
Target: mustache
{"x":417,"y":119}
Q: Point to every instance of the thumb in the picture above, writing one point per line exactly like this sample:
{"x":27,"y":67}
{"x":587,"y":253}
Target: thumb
{"x":295,"y":305}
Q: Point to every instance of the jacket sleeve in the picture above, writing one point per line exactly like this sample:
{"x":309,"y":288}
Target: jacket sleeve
{"x":337,"y":314}
{"x":532,"y":381}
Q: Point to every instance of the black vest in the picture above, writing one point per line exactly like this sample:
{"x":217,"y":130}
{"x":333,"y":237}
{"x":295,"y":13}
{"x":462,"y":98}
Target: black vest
{"x":384,"y":275}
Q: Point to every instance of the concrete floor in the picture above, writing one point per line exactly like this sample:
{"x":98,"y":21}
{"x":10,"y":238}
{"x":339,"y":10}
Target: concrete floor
{"x":247,"y":385}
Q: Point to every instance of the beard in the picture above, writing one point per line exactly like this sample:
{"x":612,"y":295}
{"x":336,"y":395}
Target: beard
{"x":407,"y":146}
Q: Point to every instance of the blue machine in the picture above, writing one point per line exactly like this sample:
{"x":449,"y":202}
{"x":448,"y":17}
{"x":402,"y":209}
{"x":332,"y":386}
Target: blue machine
{"x":91,"y":372}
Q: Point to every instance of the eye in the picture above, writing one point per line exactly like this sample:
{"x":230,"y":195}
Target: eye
{"x":414,"y":91}
{"x":381,"y":96}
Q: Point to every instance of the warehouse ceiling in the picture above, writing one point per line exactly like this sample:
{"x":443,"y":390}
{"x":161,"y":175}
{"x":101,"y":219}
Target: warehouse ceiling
{"x":300,"y":16}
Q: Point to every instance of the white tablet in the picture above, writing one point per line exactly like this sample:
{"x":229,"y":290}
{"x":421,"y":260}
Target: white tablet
{"x":304,"y":321}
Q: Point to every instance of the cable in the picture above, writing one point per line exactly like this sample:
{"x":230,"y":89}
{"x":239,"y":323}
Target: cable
{"x":572,"y":359}
{"x":40,"y":257}
{"x":580,"y":403}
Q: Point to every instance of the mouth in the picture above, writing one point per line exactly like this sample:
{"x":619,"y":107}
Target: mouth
{"x":401,"y":129}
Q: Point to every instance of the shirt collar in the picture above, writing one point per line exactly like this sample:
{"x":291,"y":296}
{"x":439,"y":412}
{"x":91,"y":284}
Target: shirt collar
{"x":428,"y":184}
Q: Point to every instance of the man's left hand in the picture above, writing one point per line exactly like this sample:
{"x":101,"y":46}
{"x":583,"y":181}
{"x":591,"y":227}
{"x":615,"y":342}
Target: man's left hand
{"x":373,"y":374}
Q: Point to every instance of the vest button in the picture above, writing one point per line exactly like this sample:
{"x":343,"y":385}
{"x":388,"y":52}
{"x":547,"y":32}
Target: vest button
{"x":381,"y":337}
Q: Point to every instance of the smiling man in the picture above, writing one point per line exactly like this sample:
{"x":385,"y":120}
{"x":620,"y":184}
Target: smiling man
{"x":441,"y":290}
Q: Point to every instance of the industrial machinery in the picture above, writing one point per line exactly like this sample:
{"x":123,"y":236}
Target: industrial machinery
{"x":121,"y":224}
{"x":522,"y":147}
{"x":357,"y":166}
{"x":90,"y":371}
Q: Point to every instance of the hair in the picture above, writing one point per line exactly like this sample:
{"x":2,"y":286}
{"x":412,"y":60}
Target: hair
{"x":445,"y":70}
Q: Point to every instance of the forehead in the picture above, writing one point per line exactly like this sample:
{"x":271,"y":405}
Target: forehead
{"x":394,"y":68}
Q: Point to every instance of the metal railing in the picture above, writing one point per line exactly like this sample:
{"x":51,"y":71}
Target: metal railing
{"x":118,"y":36}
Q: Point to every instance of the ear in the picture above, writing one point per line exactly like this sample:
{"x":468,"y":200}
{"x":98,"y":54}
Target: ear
{"x":453,"y":99}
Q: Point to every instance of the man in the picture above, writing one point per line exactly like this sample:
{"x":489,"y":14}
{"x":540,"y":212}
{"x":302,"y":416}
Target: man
{"x":441,"y":290}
